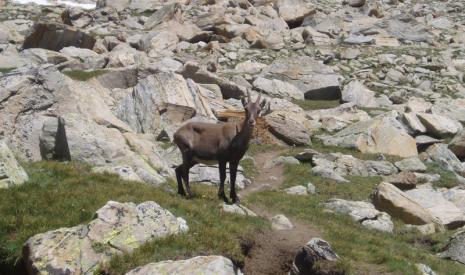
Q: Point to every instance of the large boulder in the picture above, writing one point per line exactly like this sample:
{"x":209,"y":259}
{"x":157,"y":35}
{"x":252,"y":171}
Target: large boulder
{"x":363,"y":212}
{"x":162,"y":100}
{"x":289,"y":127}
{"x":439,"y":126}
{"x":93,"y":133}
{"x":358,"y":94}
{"x":412,"y":164}
{"x":118,"y":228}
{"x":455,"y":248}
{"x":55,"y":36}
{"x":445,"y":211}
{"x":207,"y":265}
{"x":293,"y":11}
{"x":457,"y":145}
{"x":382,"y":134}
{"x":314,"y":79}
{"x":398,"y":204}
{"x":11,"y":173}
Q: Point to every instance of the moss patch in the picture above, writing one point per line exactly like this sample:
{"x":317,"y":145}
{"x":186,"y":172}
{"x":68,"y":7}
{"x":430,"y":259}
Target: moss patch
{"x":309,"y":105}
{"x":83,"y":75}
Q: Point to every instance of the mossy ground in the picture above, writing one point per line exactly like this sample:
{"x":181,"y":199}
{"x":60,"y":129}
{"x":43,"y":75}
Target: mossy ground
{"x":6,"y":70}
{"x":83,"y":75}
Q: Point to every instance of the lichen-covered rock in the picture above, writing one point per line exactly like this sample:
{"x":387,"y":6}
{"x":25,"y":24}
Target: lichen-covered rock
{"x":315,"y":251}
{"x":206,"y":265}
{"x":11,"y":173}
{"x":455,"y":248}
{"x":118,"y":228}
{"x":362,"y":212}
{"x":238,"y":209}
{"x":382,"y":134}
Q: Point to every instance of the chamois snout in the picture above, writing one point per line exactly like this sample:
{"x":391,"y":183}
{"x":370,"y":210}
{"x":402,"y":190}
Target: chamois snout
{"x":252,"y":121}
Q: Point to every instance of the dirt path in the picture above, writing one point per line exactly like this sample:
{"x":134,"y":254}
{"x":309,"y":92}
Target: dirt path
{"x":272,"y":251}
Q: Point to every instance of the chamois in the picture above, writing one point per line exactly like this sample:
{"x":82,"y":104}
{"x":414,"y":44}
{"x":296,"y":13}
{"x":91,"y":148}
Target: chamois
{"x":210,"y":143}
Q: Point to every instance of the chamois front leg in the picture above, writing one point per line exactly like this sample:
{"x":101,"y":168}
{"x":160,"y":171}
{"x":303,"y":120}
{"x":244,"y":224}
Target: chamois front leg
{"x":232,"y":173}
{"x":222,"y":168}
{"x":179,"y":172}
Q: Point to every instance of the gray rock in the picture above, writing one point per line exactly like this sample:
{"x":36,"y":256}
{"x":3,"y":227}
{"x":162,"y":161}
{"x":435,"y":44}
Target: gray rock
{"x":307,"y":257}
{"x":55,"y":36}
{"x":328,"y":173}
{"x":11,"y":173}
{"x":375,"y":136}
{"x":238,"y":209}
{"x":347,"y":165}
{"x":315,"y":80}
{"x":52,"y":140}
{"x":358,"y":94}
{"x":210,"y":175}
{"x":311,"y":189}
{"x":398,"y":204}
{"x":439,"y":126}
{"x":208,"y":265}
{"x":413,"y":124}
{"x":279,"y":161}
{"x":440,"y":154}
{"x":277,"y":88}
{"x":293,"y":11}
{"x":455,"y":248}
{"x":288,"y":127}
{"x":412,"y":164}
{"x":124,"y":172}
{"x":117,"y":228}
{"x":445,"y":211}
{"x":306,"y":155}
{"x":359,"y":39}
{"x":90,"y":59}
{"x":424,"y":269}
{"x":357,"y":3}
{"x":296,"y":190}
{"x":362,"y":212}
{"x":281,"y":222}
{"x":456,"y":196}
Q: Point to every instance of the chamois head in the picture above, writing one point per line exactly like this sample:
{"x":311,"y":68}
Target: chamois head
{"x":252,"y":109}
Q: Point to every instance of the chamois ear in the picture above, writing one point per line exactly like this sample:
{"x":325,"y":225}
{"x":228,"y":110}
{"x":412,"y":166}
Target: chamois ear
{"x":258,"y":99}
{"x":244,"y":102}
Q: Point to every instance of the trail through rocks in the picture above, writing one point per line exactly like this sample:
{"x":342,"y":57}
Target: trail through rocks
{"x":272,"y":251}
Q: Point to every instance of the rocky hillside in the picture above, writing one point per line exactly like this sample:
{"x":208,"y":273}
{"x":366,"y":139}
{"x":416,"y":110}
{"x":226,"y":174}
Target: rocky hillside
{"x":357,"y":90}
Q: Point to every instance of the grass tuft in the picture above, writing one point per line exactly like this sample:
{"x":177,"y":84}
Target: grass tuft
{"x":309,"y":105}
{"x":6,"y":70}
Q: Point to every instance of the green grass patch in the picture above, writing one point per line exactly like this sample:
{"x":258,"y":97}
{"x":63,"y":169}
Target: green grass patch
{"x":64,"y":195}
{"x":363,"y":251}
{"x":6,"y":70}
{"x":83,"y":75}
{"x":309,"y":105}
{"x":448,"y":178}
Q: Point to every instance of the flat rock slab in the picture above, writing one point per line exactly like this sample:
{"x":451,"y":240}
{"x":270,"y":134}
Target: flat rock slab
{"x":210,"y":174}
{"x":118,"y":228}
{"x":314,"y":79}
{"x":362,"y":212}
{"x":206,"y":265}
{"x":447,"y":212}
{"x":238,"y":209}
{"x":55,"y":36}
{"x":11,"y":173}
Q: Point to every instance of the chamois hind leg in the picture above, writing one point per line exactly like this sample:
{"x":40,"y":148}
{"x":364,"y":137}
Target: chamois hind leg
{"x":222,"y":168}
{"x":232,"y":174}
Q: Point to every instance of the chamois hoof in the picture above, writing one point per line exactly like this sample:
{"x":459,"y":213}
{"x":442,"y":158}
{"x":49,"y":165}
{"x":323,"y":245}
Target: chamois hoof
{"x":236,"y":200}
{"x":182,"y":193}
{"x":223,"y":197}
